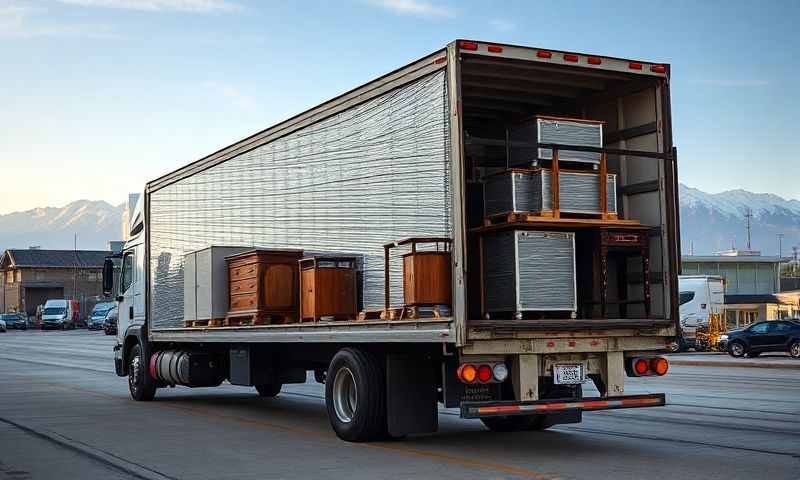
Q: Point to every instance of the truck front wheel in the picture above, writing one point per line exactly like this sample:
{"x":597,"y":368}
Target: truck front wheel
{"x":355,"y":396}
{"x":141,"y":386}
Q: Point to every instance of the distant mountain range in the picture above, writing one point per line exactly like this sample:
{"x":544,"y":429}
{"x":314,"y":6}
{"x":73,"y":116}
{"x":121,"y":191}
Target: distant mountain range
{"x":95,"y":223}
{"x":711,"y":222}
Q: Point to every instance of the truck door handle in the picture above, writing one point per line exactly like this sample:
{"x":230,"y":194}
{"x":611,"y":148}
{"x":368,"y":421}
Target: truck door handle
{"x":130,"y":312}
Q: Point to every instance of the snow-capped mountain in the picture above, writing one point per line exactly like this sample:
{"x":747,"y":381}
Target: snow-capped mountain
{"x":713,"y":221}
{"x":95,"y":223}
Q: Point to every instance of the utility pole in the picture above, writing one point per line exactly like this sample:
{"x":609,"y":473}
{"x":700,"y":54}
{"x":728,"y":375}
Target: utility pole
{"x":780,"y":245}
{"x":75,"y":270}
{"x":748,"y":216}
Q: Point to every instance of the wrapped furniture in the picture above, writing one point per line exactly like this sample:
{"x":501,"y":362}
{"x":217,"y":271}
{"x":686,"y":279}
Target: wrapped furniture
{"x":528,"y":270}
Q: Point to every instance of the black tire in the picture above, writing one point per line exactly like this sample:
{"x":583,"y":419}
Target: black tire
{"x":141,"y":386}
{"x":356,"y":400}
{"x":269,"y":390}
{"x":737,"y":349}
{"x":794,"y":349}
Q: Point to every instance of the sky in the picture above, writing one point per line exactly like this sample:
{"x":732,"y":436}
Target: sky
{"x":97,"y":97}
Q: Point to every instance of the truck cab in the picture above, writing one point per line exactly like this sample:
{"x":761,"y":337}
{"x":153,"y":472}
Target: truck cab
{"x":123,"y":277}
{"x":701,"y":298}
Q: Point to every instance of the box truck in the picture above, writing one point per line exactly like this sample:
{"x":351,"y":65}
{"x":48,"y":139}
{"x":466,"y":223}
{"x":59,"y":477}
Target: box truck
{"x":589,"y":294}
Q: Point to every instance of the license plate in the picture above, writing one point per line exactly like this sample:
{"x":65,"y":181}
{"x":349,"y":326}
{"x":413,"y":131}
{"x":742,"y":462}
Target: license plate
{"x":568,"y":374}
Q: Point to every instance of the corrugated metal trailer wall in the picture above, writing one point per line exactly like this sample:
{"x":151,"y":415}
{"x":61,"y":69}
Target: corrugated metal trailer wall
{"x":377,"y":172}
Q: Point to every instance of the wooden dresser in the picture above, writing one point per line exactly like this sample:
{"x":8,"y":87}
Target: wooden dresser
{"x":328,"y":288}
{"x":263,"y":287}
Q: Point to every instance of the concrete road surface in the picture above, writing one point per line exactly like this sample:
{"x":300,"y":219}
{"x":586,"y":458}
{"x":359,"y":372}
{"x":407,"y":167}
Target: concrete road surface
{"x":64,"y":414}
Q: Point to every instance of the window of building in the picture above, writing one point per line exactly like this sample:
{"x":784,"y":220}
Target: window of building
{"x":749,"y":317}
{"x":730,"y":319}
{"x":10,"y":277}
{"x":92,"y":277}
{"x":39,"y":275}
{"x":19,"y":275}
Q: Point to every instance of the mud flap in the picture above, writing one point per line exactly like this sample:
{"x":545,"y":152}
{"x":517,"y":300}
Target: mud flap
{"x":411,"y":397}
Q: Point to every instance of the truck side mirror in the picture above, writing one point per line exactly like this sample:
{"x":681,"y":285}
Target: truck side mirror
{"x":108,"y":276}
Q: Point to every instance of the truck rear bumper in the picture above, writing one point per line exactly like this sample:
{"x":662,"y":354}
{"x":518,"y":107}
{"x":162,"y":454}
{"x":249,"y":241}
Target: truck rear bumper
{"x":508,"y":408}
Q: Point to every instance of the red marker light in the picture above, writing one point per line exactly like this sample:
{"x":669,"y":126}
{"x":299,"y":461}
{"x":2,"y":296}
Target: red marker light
{"x":635,"y":66}
{"x":484,"y":373}
{"x":640,"y":366}
{"x":658,"y":68}
{"x":468,"y":45}
{"x":594,"y":60}
{"x":495,"y":49}
{"x":570,"y":57}
{"x":543,"y":54}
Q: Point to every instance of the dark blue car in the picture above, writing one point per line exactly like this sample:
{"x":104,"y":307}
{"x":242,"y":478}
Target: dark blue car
{"x":761,"y":337}
{"x":15,"y":320}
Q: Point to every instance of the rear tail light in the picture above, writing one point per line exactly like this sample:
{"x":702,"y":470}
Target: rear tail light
{"x":647,"y":366}
{"x":467,"y":373}
{"x":484,"y":373}
{"x":659,"y":366}
{"x":468,"y":45}
{"x":641,"y":366}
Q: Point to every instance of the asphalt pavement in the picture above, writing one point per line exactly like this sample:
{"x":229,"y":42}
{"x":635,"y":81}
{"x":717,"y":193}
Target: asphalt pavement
{"x":64,"y":414}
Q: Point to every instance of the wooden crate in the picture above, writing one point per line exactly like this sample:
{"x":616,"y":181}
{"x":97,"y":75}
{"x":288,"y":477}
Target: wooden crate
{"x":263,"y":285}
{"x":328,"y":288}
{"x":427,"y":278}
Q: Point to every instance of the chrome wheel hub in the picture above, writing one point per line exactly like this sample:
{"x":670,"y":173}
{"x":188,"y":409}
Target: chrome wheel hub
{"x":345,"y":398}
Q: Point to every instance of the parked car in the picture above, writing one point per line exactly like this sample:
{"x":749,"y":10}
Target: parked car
{"x":110,"y":323}
{"x":761,"y":337}
{"x":2,"y":326}
{"x":59,"y":314}
{"x":15,"y":320}
{"x":97,"y":318}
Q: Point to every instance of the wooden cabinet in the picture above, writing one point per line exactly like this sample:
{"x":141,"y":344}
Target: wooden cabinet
{"x":427,"y":278}
{"x":327,"y":288}
{"x":263,"y":286}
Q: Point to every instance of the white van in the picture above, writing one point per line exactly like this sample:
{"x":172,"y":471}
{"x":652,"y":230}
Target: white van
{"x":59,"y":313}
{"x":700,"y":297}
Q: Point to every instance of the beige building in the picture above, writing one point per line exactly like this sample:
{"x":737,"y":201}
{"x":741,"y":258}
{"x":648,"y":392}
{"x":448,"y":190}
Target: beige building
{"x":32,"y":276}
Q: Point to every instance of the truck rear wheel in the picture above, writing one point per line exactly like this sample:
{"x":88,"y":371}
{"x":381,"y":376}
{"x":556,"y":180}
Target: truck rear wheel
{"x":355,"y":396}
{"x":141,"y":386}
{"x":269,"y":390}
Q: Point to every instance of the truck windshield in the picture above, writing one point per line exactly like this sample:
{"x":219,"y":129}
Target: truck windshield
{"x":53,"y":311}
{"x":686,"y":297}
